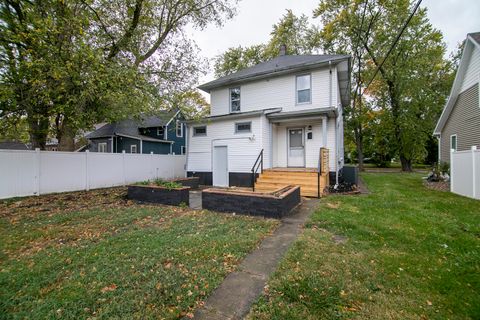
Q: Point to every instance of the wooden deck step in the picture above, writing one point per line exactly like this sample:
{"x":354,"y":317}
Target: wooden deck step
{"x":271,"y":180}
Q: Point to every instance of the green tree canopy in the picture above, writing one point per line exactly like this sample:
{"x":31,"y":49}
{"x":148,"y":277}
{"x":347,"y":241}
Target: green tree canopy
{"x":66,"y":65}
{"x":295,"y":32}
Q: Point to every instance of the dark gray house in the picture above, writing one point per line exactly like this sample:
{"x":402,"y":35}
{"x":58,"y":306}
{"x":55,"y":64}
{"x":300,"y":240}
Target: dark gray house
{"x":13,"y":145}
{"x":459,"y":125}
{"x":160,"y":134}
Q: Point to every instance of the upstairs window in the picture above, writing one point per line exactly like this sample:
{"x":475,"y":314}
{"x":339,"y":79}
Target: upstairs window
{"x":243,"y":127}
{"x":199,"y":131}
{"x":235,"y":99}
{"x":179,"y":129}
{"x":304,"y":92}
{"x":453,"y":142}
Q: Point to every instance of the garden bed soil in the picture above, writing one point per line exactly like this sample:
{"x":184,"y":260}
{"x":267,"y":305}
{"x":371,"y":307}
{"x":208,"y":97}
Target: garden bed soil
{"x":192,"y":182}
{"x":438,"y":185}
{"x":157,"y":194}
{"x":271,"y":205}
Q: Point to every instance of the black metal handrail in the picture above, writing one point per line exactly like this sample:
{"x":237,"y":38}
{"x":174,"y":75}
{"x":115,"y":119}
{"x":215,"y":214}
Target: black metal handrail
{"x":258,"y":164}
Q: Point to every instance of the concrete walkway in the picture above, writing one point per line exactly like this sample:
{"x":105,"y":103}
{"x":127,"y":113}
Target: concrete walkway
{"x":240,"y":289}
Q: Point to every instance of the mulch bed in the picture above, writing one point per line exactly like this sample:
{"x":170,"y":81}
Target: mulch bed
{"x":439,"y":186}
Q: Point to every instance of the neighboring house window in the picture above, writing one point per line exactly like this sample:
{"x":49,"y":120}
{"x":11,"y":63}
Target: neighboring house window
{"x":200,"y":131}
{"x":243,"y":127}
{"x":304,"y":92}
{"x":453,"y":142}
{"x":235,"y":99}
{"x":102,"y":147}
{"x":160,"y":132}
{"x":179,"y":129}
{"x":183,"y":150}
{"x":133,"y":148}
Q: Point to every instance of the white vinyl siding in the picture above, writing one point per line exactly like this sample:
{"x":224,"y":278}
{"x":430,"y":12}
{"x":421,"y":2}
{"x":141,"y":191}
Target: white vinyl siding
{"x":278,"y":92}
{"x":472,"y":75}
{"x":242,"y":150}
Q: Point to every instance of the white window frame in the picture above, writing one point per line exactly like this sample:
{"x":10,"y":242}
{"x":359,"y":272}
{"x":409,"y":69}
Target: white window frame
{"x":239,"y":99}
{"x":194,"y":134}
{"x":243,"y":123}
{"x":296,"y":89}
{"x":103,"y":145}
{"x":181,"y":129}
{"x":456,"y":142}
{"x":183,"y":150}
{"x":158,"y":132}
{"x":132,"y":147}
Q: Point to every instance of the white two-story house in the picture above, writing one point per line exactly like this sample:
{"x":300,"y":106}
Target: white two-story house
{"x":273,"y":118}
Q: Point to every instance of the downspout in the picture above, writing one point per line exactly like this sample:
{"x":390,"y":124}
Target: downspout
{"x":336,"y":121}
{"x":112,"y":144}
{"x":141,"y":146}
{"x":187,"y":150}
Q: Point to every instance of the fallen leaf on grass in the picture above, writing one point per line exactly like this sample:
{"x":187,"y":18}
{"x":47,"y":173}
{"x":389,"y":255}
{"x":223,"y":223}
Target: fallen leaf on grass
{"x":429,"y":302}
{"x":109,"y":288}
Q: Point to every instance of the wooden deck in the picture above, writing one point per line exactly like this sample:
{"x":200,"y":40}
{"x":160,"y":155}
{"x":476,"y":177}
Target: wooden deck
{"x":306,"y":178}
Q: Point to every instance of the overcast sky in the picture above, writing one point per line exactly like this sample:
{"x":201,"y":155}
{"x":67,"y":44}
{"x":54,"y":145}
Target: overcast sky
{"x":253,"y":23}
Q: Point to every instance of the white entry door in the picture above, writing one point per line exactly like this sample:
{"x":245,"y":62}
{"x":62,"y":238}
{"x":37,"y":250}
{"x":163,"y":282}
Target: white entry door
{"x":296,"y":148}
{"x":220,"y":166}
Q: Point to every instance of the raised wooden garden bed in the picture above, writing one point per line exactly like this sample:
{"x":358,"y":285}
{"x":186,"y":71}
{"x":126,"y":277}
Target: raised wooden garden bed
{"x":276,"y":204}
{"x":157,"y":194}
{"x":192,"y":182}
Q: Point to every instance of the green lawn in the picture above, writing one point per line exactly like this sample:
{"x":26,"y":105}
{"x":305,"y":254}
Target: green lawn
{"x":95,"y":255}
{"x":401,"y":252}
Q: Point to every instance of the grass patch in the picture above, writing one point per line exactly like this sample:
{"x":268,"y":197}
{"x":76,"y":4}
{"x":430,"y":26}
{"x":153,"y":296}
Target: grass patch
{"x":118,"y":260}
{"x":406,"y":253}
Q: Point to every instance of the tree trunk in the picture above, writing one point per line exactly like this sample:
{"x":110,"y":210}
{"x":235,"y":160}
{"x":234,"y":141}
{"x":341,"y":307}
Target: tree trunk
{"x":65,"y":136}
{"x":406,"y":164}
{"x":359,"y":144}
{"x":38,"y":131}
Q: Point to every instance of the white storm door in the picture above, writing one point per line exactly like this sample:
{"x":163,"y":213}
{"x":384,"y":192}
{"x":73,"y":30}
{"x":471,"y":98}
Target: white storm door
{"x":296,"y":148}
{"x":220,"y":166}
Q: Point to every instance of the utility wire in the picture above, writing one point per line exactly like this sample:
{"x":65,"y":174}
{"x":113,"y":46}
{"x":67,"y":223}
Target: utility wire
{"x":393,"y":45}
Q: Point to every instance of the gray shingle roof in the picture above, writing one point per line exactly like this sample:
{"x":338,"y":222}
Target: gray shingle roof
{"x":13,"y":145}
{"x":475,"y":36}
{"x":278,"y":65}
{"x":130,"y":126}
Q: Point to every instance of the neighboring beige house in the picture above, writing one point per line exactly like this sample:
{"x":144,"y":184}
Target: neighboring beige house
{"x":459,"y":125}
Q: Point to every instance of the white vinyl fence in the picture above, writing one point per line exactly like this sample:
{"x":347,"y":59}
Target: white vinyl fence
{"x":25,"y":173}
{"x":465,"y":173}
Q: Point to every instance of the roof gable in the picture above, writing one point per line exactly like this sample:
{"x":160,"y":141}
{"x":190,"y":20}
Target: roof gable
{"x":472,"y":45}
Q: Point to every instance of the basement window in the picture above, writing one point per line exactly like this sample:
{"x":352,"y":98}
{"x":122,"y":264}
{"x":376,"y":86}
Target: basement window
{"x":200,"y":131}
{"x":243,"y":127}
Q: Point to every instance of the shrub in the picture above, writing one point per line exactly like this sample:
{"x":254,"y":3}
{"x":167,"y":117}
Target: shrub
{"x":444,"y":167}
